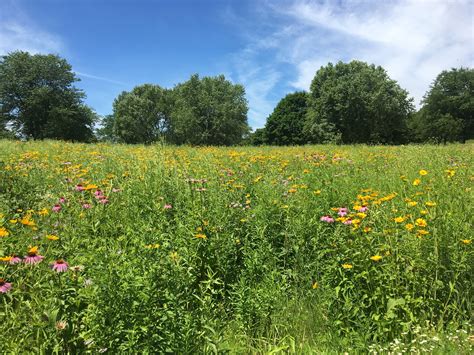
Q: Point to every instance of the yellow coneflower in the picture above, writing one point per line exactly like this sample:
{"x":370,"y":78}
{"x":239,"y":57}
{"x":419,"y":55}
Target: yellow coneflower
{"x":347,"y":266}
{"x":376,"y":258}
{"x":420,"y":222}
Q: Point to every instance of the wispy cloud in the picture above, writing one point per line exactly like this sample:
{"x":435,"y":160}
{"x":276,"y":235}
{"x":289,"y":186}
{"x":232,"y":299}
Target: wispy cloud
{"x":414,"y":40}
{"x":95,"y":77}
{"x":19,"y":32}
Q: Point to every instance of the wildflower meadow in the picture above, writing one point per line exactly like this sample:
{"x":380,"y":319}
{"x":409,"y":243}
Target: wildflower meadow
{"x":153,"y":249}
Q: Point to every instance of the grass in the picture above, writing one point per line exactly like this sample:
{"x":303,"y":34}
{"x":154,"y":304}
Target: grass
{"x":179,"y":249}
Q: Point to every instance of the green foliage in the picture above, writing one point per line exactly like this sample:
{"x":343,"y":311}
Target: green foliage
{"x":285,"y":125}
{"x":38,"y":99}
{"x":224,"y":250}
{"x":209,"y":111}
{"x":142,"y":115}
{"x":258,"y":137}
{"x":448,"y":108}
{"x":358,"y":103}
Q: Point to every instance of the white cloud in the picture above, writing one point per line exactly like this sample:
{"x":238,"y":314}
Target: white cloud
{"x":413,"y":40}
{"x":101,"y":78}
{"x":19,"y":32}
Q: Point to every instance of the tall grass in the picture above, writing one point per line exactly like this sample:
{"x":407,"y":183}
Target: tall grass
{"x":223,"y":249}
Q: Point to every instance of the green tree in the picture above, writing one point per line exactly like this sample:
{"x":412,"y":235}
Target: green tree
{"x":209,"y":111}
{"x":285,"y":125}
{"x":142,"y":115}
{"x":38,"y":99}
{"x":356,"y":103}
{"x":448,"y":108}
{"x":258,"y":137}
{"x":106,"y":133}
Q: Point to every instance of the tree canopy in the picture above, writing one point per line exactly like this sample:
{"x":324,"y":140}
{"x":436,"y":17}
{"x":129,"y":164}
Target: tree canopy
{"x":356,"y":103}
{"x":209,"y":111}
{"x":142,"y":115}
{"x":38,"y":99}
{"x":285,"y":125}
{"x":448,"y":108}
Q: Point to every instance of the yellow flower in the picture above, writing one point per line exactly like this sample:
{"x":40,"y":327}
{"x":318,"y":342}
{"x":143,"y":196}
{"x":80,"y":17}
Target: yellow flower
{"x":200,"y":236}
{"x":424,"y":212}
{"x":466,"y":241}
{"x":43,"y":212}
{"x":420,"y":222}
{"x":33,"y":250}
{"x":367,"y":229}
{"x":376,"y":258}
{"x":423,"y":172}
{"x":361,"y":215}
{"x":52,"y":237}
{"x":423,"y":232}
{"x":5,"y":258}
{"x":450,"y":172}
{"x":399,"y":219}
{"x":152,"y":246}
{"x":3,"y":232}
{"x":347,"y":266}
{"x":13,"y":221}
{"x":412,"y":203}
{"x":315,"y":285}
{"x":409,"y":226}
{"x":416,"y":182}
{"x":317,"y":192}
{"x":430,"y":204}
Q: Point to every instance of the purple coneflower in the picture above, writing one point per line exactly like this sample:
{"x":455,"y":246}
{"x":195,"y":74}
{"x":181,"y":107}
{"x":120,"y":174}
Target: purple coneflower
{"x":56,"y":208}
{"x":363,"y":209}
{"x":79,"y":187}
{"x":60,"y":266}
{"x":342,"y":211}
{"x":4,"y":286}
{"x":348,"y":222}
{"x":327,"y":219}
{"x":103,"y":200}
{"x":168,"y":207}
{"x":86,"y":206}
{"x":62,"y":200}
{"x":15,"y":260}
{"x":33,"y":257}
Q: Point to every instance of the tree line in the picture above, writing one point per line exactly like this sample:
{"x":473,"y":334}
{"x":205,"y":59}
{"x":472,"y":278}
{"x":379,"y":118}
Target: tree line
{"x":347,"y":103}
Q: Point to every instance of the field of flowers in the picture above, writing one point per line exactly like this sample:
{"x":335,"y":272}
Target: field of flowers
{"x":114,"y":248}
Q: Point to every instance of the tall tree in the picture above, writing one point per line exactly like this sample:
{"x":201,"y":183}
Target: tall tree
{"x":285,"y":125}
{"x":448,"y":108}
{"x":142,"y":115}
{"x":38,"y":98}
{"x":356,"y":103}
{"x":209,"y":111}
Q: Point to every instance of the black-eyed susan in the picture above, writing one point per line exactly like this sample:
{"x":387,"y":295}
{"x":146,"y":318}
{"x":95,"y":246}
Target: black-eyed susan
{"x":376,"y":258}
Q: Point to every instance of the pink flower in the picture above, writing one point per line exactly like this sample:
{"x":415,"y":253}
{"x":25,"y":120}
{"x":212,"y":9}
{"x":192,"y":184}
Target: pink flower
{"x":363,"y":209}
{"x":4,"y":286}
{"x":62,"y":200}
{"x":348,"y":222}
{"x":342,"y":211}
{"x":167,"y":207}
{"x":33,"y":257}
{"x":86,"y":206}
{"x":56,"y":208}
{"x":99,"y":194}
{"x":15,"y":260}
{"x":79,"y":187}
{"x":104,"y":200}
{"x":60,"y":266}
{"x":115,"y":190}
{"x":327,"y":219}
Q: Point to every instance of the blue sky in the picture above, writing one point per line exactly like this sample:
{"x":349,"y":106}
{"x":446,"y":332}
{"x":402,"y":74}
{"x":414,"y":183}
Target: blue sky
{"x":271,"y":47}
